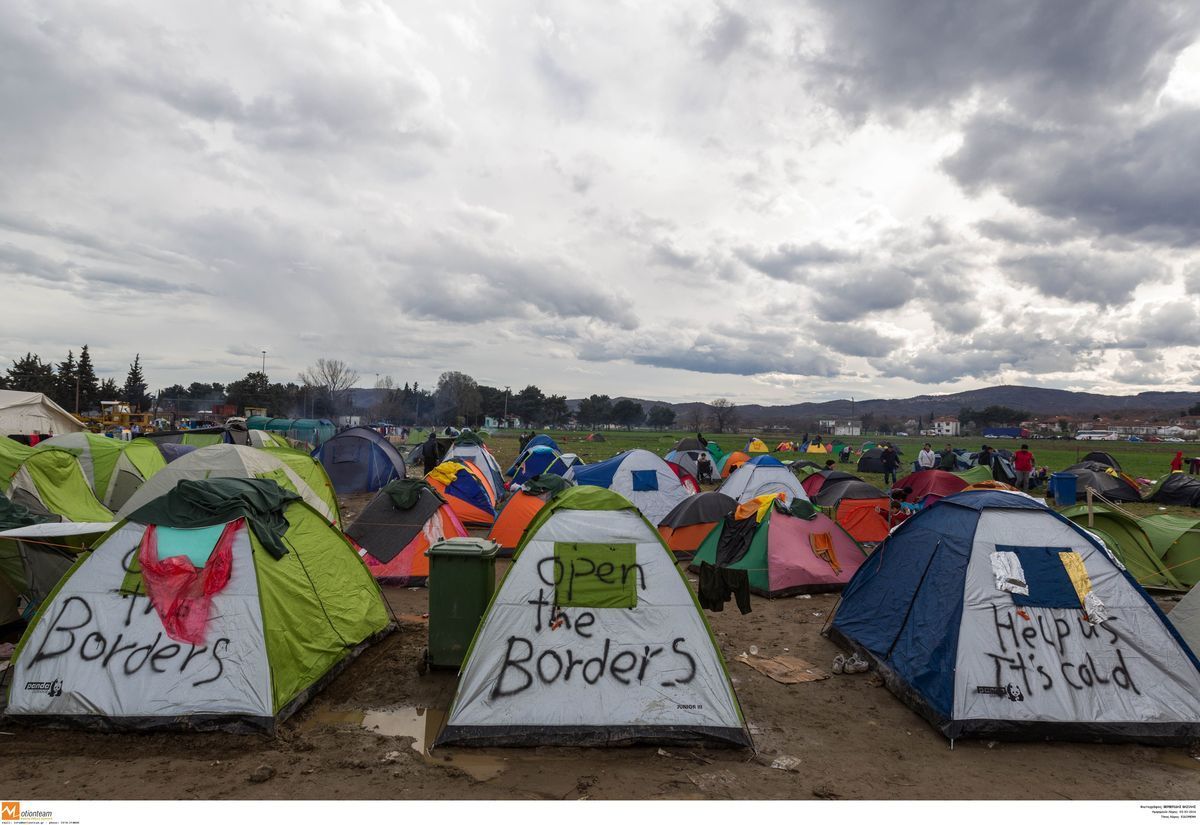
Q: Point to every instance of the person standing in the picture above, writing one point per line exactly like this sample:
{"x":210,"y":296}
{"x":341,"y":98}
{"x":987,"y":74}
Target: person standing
{"x":926,"y":459}
{"x":429,"y":452}
{"x":891,"y":462}
{"x":704,"y":468}
{"x":1177,"y":462}
{"x":948,"y":460}
{"x":1023,"y":464}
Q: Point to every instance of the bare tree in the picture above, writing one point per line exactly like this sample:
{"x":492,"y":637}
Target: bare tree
{"x":696,"y":417}
{"x":724,"y":414}
{"x":331,"y":377}
{"x":458,"y":398}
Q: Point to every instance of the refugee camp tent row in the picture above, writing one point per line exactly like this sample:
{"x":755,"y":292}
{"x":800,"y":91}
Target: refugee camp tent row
{"x":784,"y":547}
{"x":993,"y":616}
{"x":360,"y":460}
{"x":114,"y":468}
{"x":48,"y":482}
{"x":290,"y":469}
{"x":638,"y":475}
{"x":403,"y":520}
{"x":244,"y":651}
{"x":656,"y":673}
{"x":312,"y":432}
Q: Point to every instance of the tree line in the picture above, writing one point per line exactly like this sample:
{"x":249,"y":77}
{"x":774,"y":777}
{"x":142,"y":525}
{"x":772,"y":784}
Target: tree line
{"x":72,"y":383}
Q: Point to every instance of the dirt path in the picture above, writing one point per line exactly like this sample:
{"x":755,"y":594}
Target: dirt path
{"x":854,"y":741}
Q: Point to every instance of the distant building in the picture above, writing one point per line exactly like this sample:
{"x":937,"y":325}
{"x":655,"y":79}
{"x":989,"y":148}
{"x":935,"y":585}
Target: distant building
{"x":832,"y":426}
{"x":945,"y":426}
{"x":349,"y":420}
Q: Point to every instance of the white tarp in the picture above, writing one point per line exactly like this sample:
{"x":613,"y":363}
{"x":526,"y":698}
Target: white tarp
{"x":653,"y":664}
{"x":1052,"y":663}
{"x":751,"y":481}
{"x":28,"y":412}
{"x":96,"y":652}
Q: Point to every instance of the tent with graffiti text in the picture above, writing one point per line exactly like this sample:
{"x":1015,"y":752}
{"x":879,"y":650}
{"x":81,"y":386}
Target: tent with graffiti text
{"x":224,"y":603}
{"x":593,"y":638}
{"x":993,"y":616}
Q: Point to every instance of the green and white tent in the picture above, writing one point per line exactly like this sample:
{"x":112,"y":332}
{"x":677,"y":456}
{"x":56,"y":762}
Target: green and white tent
{"x":294,"y":606}
{"x":114,"y":468}
{"x":35,"y":557}
{"x":48,"y":482}
{"x":593,"y":638}
{"x":291,"y":469}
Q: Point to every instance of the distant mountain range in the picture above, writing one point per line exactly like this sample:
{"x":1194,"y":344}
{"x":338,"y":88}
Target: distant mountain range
{"x":1037,"y":401}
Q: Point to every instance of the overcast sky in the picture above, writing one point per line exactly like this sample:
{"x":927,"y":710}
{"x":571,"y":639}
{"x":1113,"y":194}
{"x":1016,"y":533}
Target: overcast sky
{"x":768,"y":202}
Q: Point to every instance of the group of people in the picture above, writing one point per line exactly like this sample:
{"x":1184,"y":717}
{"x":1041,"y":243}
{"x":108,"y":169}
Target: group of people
{"x":1024,"y":463}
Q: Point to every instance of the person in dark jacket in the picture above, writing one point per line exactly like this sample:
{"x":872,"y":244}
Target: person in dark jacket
{"x":429,"y":452}
{"x":948,"y":460}
{"x":891,"y":462}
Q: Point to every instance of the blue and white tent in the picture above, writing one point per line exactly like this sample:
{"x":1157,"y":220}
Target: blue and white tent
{"x":535,"y":461}
{"x":641,"y":476}
{"x":762,"y":476}
{"x":993,"y":616}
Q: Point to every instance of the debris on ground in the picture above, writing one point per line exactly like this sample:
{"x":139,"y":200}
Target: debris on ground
{"x":261,"y":774}
{"x":787,"y":670}
{"x":786,"y":763}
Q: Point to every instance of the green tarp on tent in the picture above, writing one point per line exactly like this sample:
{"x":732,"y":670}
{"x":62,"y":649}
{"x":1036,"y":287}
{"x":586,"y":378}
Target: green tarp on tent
{"x":1159,"y":550}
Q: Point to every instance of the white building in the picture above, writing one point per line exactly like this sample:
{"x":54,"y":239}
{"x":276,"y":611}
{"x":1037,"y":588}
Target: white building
{"x":945,"y":426}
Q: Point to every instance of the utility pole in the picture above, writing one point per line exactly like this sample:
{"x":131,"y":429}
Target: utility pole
{"x":505,"y":424}
{"x":264,"y":367}
{"x":76,"y":393}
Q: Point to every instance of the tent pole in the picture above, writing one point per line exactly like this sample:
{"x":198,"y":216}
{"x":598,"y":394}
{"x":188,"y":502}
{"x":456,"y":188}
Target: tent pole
{"x":1091,"y":510}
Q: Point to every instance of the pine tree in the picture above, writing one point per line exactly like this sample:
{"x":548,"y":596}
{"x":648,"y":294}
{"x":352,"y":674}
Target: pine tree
{"x":109,"y":391}
{"x":68,"y":373}
{"x":31,"y":374}
{"x":89,"y":386}
{"x":135,"y":385}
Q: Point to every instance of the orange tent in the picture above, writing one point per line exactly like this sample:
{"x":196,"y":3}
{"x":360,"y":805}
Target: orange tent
{"x":865,"y":519}
{"x":520,"y":509}
{"x":467,"y":491}
{"x":395,"y":530}
{"x":732,"y":461}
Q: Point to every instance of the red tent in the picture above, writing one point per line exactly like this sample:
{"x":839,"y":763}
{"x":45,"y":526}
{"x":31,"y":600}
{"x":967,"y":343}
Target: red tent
{"x":927,"y":486}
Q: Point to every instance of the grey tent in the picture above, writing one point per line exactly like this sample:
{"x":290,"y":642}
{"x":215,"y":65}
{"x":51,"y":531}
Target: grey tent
{"x":1176,"y":488}
{"x":1103,"y":458}
{"x":360,"y":460}
{"x":835,"y":490}
{"x":1186,"y":618}
{"x":1095,"y":475}
{"x":404,"y":519}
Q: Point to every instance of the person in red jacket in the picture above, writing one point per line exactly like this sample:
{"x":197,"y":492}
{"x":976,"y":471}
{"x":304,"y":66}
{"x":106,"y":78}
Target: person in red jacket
{"x":1023,"y":464}
{"x":1177,"y":462}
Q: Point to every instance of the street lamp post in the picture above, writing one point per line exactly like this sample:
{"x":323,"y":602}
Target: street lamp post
{"x":505,"y":424}
{"x":264,"y":367}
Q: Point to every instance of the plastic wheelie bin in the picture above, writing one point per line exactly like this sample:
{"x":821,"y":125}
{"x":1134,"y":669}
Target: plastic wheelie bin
{"x":462,"y":578}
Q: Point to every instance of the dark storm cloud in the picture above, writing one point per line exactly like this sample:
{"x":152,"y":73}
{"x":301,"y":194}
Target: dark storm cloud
{"x":1084,"y":277}
{"x":792,"y":262}
{"x":1039,"y":56}
{"x":19,"y":261}
{"x":875,"y":293}
{"x":1031,"y":233}
{"x":852,"y":339}
{"x":1171,"y":324}
{"x":1120,"y":178}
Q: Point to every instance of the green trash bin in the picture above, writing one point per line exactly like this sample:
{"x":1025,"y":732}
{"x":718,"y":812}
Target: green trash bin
{"x":462,"y":578}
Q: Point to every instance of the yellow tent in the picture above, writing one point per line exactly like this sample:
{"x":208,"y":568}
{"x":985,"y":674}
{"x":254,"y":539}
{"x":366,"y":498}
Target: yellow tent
{"x":756,"y":445}
{"x":818,"y":448}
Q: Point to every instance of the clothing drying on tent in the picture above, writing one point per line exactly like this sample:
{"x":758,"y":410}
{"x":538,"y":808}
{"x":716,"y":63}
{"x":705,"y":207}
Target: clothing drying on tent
{"x":360,"y":460}
{"x":760,"y":476}
{"x":685,"y":528}
{"x":992,"y":616}
{"x":466,"y":490}
{"x":468,"y":447}
{"x":253,"y":601}
{"x":1105,"y":480}
{"x":237,"y":461}
{"x":927,"y":486}
{"x":48,"y":482}
{"x":816,"y":481}
{"x":521,"y":508}
{"x":35,"y":557}
{"x":784,"y":549}
{"x":1103,"y":458}
{"x":535,"y":461}
{"x":1159,"y":550}
{"x":1176,"y":488}
{"x":640,"y":476}
{"x":403,"y":520}
{"x":730,"y":462}
{"x":685,"y":478}
{"x":757,"y":445}
{"x":113,"y":468}
{"x":644,"y":663}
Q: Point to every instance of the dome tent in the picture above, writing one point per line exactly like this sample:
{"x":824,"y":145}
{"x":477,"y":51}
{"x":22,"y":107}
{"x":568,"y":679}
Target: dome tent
{"x":686,"y":526}
{"x":245,"y":655}
{"x":360,"y":460}
{"x":535,"y":461}
{"x":785,"y":549}
{"x":1106,"y":481}
{"x":650,"y":670}
{"x":402,"y":521}
{"x":114,"y":468}
{"x":48,"y":482}
{"x":760,"y":476}
{"x":992,"y":616}
{"x":640,"y":476}
{"x":237,"y":461}
{"x":466,"y":490}
{"x":521,"y":509}
{"x":468,"y":447}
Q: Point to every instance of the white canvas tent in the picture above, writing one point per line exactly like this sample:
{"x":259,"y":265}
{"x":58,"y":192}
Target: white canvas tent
{"x":27,"y":412}
{"x":617,"y":655}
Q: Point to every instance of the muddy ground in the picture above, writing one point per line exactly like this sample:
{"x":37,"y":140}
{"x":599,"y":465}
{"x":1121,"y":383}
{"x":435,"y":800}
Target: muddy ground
{"x":362,"y":737}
